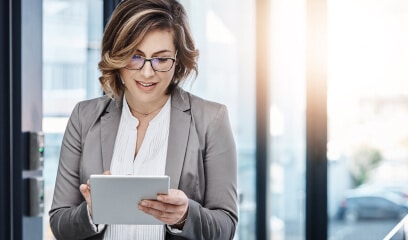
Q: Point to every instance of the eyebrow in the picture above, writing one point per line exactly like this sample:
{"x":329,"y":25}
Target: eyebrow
{"x":155,"y":53}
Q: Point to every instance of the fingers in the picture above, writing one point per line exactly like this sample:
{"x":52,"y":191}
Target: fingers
{"x":86,"y":193}
{"x":157,"y":211}
{"x":85,"y":190}
{"x":167,"y":214}
{"x":175,"y":197}
{"x":159,"y":206}
{"x":169,"y":209}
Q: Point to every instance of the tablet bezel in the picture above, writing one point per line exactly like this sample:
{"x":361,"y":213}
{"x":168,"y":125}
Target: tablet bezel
{"x":114,"y":198}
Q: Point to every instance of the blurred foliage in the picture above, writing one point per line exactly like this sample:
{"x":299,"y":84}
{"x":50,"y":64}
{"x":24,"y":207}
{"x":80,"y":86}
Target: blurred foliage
{"x":364,"y":159}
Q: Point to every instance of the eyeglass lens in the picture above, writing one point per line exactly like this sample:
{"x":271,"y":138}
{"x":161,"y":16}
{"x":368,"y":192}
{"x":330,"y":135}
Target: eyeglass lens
{"x":157,"y":63}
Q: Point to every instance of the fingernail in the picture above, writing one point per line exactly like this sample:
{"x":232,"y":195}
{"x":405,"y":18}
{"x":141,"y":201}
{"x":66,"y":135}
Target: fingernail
{"x":143,"y":203}
{"x":160,"y":198}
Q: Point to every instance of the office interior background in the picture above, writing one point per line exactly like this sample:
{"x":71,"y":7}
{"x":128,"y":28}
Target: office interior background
{"x":317,"y":92}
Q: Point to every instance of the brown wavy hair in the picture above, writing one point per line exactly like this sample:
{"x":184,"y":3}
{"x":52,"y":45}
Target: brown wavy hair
{"x":129,"y":23}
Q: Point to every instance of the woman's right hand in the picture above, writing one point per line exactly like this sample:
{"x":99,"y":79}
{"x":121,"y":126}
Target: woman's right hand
{"x":85,"y":190}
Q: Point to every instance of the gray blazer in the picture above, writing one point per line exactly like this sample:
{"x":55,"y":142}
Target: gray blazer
{"x":201,"y":161}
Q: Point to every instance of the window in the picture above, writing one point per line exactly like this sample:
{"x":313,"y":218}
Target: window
{"x":286,"y":196}
{"x":367,"y":111}
{"x":71,"y":33}
{"x":226,"y":41}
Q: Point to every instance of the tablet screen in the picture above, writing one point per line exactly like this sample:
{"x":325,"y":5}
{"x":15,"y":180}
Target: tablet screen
{"x":114,"y":198}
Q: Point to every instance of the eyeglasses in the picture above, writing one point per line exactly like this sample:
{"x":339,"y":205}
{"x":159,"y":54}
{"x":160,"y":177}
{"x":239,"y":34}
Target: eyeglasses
{"x":159,"y":64}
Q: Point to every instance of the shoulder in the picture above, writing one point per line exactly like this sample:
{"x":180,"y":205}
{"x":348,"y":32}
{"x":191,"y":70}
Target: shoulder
{"x":93,"y":106}
{"x":202,"y":106}
{"x":95,"y":103}
{"x":202,"y":110}
{"x":92,"y":109}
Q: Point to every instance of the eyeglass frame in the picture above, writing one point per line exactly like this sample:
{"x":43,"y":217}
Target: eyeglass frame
{"x":153,"y":58}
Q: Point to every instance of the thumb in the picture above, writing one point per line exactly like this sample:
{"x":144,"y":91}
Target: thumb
{"x":86,"y":193}
{"x":107,"y":173}
{"x":84,"y":189}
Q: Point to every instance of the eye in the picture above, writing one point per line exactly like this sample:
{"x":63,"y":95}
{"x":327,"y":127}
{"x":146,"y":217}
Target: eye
{"x":161,"y":59}
{"x":137,"y":58}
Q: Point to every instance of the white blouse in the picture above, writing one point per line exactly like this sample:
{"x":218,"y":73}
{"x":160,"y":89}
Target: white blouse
{"x":150,"y":160}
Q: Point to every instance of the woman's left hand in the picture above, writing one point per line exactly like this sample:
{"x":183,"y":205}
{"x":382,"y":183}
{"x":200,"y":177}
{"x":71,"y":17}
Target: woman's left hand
{"x":170,"y":209}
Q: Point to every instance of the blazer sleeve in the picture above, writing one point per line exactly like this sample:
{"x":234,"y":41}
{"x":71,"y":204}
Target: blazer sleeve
{"x":69,"y":214}
{"x":217,"y":216}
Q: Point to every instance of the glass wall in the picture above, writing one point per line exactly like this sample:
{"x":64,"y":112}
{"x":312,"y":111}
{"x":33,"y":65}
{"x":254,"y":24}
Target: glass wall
{"x":224,"y":32}
{"x":367,"y":103}
{"x":72,"y":30}
{"x":367,"y":116}
{"x":286,"y":195}
{"x":226,"y":40}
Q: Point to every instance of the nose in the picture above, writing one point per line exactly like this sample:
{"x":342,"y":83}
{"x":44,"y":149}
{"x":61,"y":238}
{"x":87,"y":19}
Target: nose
{"x":147,"y":70}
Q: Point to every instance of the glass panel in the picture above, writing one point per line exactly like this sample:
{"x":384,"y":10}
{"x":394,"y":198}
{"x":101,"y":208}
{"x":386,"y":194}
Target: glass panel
{"x":226,"y":41}
{"x":367,"y":116}
{"x":72,"y":31}
{"x":226,"y":66}
{"x":287,"y":120}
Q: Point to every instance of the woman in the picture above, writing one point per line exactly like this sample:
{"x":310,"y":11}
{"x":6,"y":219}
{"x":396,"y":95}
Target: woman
{"x":147,"y":125}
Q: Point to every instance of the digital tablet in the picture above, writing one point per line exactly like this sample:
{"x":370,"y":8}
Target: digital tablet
{"x":114,"y":198}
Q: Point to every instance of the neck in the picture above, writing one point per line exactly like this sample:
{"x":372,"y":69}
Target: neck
{"x":144,"y":114}
{"x":147,"y":112}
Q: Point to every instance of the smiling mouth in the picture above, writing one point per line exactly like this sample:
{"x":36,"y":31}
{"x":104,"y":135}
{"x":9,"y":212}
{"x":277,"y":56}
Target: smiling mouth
{"x":146,"y":84}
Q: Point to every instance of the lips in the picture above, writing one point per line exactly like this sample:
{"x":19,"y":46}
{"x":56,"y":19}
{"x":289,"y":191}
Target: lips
{"x":146,"y":84}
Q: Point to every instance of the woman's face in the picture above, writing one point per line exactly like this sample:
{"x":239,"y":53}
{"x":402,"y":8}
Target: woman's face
{"x":146,"y":86}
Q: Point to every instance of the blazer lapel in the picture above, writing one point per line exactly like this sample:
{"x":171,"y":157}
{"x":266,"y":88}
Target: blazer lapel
{"x":180,"y":120}
{"x":109,"y":128}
